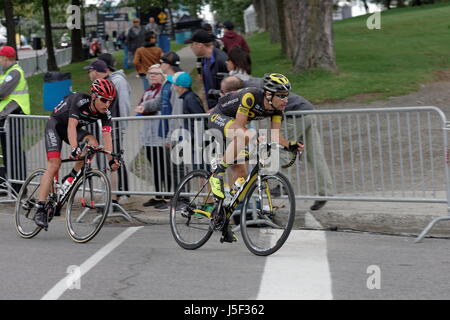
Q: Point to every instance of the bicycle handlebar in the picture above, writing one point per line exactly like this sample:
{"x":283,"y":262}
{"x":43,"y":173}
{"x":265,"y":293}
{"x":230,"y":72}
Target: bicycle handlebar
{"x":91,"y":150}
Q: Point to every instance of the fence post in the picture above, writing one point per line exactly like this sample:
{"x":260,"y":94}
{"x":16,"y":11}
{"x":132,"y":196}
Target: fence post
{"x":445,"y":130}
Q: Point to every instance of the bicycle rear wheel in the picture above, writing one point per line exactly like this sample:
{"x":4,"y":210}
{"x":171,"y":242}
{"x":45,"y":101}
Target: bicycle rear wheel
{"x":88,"y":206}
{"x":268,"y":214}
{"x":26,"y":205}
{"x":189,"y":218}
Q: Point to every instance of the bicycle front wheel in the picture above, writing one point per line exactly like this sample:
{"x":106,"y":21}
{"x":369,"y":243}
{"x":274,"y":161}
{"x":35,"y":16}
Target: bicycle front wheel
{"x":189,"y":216}
{"x":26,"y":205}
{"x":268,"y":214}
{"x":88,"y":206}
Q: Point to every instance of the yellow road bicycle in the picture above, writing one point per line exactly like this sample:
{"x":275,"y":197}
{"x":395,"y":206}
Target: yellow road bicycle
{"x":265,"y":203}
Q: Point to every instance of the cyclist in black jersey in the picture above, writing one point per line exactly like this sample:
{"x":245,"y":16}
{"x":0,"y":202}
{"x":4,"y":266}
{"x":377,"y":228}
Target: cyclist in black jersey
{"x":65,"y":124}
{"x":235,"y":110}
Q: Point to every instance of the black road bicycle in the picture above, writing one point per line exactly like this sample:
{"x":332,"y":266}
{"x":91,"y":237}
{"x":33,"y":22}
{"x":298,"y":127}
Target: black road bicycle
{"x":266,"y":203}
{"x":88,"y":200}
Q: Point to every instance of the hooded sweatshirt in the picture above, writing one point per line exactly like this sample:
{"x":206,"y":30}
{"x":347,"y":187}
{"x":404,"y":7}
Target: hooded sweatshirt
{"x":119,"y":79}
{"x":232,"y":39}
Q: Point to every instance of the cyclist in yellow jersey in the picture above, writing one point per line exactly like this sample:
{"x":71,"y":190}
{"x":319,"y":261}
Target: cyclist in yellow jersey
{"x":236,"y":109}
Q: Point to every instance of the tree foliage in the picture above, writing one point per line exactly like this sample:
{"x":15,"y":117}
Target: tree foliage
{"x":231,"y":10}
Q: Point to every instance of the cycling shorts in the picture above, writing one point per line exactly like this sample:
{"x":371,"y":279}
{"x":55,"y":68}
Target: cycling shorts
{"x":220,"y":122}
{"x":55,"y":135}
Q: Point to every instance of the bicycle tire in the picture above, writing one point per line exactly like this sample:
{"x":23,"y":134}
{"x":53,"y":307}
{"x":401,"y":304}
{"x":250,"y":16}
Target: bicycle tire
{"x":25,"y":202}
{"x":183,"y":217}
{"x":251,"y":230}
{"x":71,"y":218}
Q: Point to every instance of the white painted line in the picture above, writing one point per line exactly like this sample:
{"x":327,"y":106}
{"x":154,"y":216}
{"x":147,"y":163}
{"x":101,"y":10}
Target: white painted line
{"x":311,"y":222}
{"x":59,"y":289}
{"x":299,"y":270}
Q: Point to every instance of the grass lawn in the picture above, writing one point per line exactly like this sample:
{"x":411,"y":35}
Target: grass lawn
{"x":176,"y":46}
{"x":412,"y":44}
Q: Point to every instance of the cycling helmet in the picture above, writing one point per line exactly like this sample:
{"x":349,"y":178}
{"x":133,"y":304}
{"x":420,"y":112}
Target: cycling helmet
{"x":276,"y":82}
{"x":104,"y":89}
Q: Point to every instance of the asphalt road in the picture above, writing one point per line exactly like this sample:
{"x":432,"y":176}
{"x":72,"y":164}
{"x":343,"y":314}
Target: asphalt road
{"x":133,"y":262}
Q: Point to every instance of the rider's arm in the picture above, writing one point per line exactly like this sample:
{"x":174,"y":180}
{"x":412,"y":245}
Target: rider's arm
{"x":275,"y":134}
{"x":72,"y":132}
{"x":107,"y":139}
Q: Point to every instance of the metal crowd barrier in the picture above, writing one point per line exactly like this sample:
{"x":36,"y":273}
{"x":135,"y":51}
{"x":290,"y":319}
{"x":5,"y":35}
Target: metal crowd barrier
{"x":32,"y":64}
{"x":377,"y":155}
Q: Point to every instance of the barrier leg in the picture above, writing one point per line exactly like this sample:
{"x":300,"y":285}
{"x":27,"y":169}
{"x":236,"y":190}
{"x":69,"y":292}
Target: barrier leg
{"x":429,"y":227}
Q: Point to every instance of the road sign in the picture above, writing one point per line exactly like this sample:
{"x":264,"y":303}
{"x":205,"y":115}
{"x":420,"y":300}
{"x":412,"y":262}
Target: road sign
{"x":162,"y":16}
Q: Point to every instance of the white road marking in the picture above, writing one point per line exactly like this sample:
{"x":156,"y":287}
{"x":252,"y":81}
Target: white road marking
{"x":311,"y":222}
{"x":59,"y":289}
{"x":299,"y":270}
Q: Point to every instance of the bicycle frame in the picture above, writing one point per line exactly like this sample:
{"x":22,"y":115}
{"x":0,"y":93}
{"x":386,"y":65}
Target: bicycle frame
{"x":87,"y":159}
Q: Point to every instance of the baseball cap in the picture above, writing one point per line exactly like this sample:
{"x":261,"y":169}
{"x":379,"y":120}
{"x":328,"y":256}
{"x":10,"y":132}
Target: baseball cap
{"x":182,"y":79}
{"x":173,"y":59}
{"x":201,"y":36}
{"x":8,"y":52}
{"x":229,"y":25}
{"x":97,"y":65}
{"x":109,"y":60}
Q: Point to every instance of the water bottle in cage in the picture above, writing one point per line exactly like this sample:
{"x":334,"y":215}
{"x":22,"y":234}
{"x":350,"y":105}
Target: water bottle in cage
{"x":66,"y":185}
{"x":237,"y":185}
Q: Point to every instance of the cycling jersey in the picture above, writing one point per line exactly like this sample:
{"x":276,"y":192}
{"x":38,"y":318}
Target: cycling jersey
{"x":248,"y":101}
{"x":76,"y":106}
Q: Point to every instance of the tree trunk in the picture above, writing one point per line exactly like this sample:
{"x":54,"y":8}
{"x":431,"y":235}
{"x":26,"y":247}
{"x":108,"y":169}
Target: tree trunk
{"x":313,"y":34}
{"x":289,"y":27}
{"x":400,"y":3}
{"x":51,"y":61}
{"x":366,"y":6}
{"x":260,"y":13}
{"x":77,"y":48}
{"x":272,"y":21}
{"x":10,"y":25}
{"x":281,"y":25}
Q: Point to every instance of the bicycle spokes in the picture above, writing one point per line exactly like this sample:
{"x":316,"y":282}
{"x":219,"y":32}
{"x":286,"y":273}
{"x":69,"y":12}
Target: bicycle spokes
{"x":268,"y":214}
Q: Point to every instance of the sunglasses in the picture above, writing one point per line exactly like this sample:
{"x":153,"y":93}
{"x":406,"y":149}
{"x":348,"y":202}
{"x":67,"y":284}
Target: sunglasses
{"x":155,"y":73}
{"x":104,"y":100}
{"x":282,"y":96}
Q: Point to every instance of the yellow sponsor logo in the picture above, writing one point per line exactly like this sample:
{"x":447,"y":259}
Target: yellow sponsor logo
{"x":243,"y":110}
{"x":214,"y":117}
{"x":248,"y":100}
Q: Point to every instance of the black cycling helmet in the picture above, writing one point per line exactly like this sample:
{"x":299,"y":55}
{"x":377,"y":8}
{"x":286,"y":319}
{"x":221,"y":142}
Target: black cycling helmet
{"x":276,"y":82}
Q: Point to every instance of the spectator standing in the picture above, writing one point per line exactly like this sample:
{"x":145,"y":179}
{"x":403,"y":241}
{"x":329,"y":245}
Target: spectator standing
{"x":170,"y":104}
{"x":147,"y":56}
{"x":14,"y":99}
{"x":135,"y":39}
{"x":121,"y":108}
{"x":154,"y":149}
{"x":95,"y":48}
{"x":192,"y":104}
{"x":98,"y":69}
{"x":232,"y":39}
{"x":217,"y":42}
{"x":152,"y":26}
{"x":239,"y":63}
{"x":213,"y":62}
